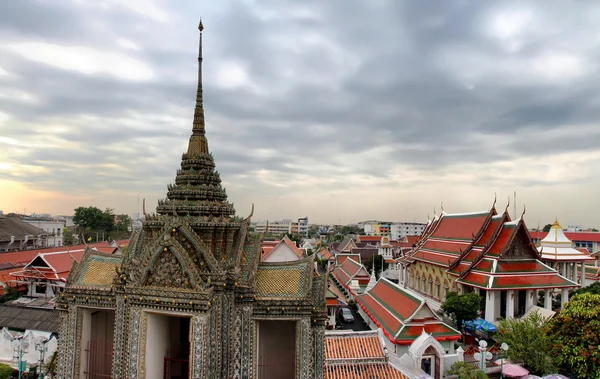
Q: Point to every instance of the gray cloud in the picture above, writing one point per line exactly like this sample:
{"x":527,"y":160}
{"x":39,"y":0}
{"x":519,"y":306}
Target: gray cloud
{"x":323,"y":93}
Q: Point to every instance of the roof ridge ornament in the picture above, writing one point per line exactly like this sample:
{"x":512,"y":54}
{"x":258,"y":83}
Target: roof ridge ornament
{"x":442,"y":206}
{"x":524,"y":209}
{"x":507,"y":205}
{"x":495,"y":198}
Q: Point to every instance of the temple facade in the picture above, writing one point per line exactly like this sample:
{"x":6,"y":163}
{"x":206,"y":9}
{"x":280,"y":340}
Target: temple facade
{"x":190,"y":298}
{"x":486,"y":252}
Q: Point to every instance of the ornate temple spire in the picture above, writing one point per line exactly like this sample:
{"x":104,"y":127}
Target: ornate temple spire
{"x":198,"y":143}
{"x":197,"y":190}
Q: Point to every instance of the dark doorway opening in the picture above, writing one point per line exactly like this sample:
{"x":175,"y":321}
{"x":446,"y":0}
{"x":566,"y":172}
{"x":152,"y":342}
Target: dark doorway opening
{"x":276,"y":349}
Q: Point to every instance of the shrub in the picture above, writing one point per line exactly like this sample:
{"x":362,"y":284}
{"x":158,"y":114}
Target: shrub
{"x":465,"y":370}
{"x":5,"y":371}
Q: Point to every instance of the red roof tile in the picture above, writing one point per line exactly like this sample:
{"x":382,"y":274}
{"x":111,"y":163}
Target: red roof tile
{"x":460,"y":226}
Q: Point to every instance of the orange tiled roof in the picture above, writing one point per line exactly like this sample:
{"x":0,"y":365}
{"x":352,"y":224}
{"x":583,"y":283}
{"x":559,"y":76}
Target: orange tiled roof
{"x":268,"y":247}
{"x":373,"y":370}
{"x":364,"y":351}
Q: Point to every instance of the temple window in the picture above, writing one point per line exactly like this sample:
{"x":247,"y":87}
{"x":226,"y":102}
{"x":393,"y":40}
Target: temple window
{"x":430,"y":288}
{"x":437,"y":291}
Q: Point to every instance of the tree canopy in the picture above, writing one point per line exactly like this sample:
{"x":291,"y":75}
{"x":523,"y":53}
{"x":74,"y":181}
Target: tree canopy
{"x":575,"y":337}
{"x":527,"y":342}
{"x":593,"y":289}
{"x":93,"y":218}
{"x":547,"y":228}
{"x":68,"y":237}
{"x":466,"y":370}
{"x":463,"y":307}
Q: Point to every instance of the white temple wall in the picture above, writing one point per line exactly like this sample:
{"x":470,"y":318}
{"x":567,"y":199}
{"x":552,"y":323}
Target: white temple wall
{"x":157,"y":344}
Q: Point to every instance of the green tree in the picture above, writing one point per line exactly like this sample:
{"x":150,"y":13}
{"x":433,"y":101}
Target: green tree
{"x":10,"y":293}
{"x":68,"y":237}
{"x":575,"y":338}
{"x":593,"y":289}
{"x":338,"y":238}
{"x":527,"y":342}
{"x":5,"y":371}
{"x":91,"y":220}
{"x":463,"y":307}
{"x":547,"y":228}
{"x":466,"y":370}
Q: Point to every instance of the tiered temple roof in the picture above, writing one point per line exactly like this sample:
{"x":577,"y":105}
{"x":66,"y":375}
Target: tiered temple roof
{"x":402,"y":316}
{"x":485,"y":250}
{"x":350,"y":270}
{"x":557,"y":247}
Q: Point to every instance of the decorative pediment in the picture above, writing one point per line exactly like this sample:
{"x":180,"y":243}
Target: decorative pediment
{"x":519,"y":245}
{"x":168,"y":268}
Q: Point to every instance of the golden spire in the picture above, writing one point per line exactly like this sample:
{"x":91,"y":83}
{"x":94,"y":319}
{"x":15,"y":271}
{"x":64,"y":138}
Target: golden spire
{"x":198,"y":143}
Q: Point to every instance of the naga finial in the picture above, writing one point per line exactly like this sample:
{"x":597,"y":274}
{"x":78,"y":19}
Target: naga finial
{"x":524,"y":209}
{"x":495,"y":198}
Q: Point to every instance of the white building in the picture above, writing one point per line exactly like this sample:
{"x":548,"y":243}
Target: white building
{"x":274,"y":227}
{"x":403,"y":229}
{"x":303,"y":227}
{"x":53,"y":228}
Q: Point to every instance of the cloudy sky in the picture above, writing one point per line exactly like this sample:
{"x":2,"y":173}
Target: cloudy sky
{"x":337,"y":110}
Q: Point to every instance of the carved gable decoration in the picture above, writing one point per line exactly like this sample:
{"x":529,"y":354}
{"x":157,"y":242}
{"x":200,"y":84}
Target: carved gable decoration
{"x":520,"y":246}
{"x":166,"y":269}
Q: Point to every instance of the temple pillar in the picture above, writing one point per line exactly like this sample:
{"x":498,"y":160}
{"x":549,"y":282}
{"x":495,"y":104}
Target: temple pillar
{"x":574,"y":272}
{"x":510,"y":304}
{"x":564,"y":298}
{"x":491,"y":312}
{"x":548,"y":299}
{"x":582,"y":279}
{"x":530,"y":298}
{"x":405,"y":276}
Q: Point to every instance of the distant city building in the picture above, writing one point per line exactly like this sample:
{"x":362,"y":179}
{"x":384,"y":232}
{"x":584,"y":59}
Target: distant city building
{"x":16,"y":234}
{"x":53,"y":228}
{"x":404,"y":229}
{"x":67,"y":221}
{"x":303,"y":227}
{"x":273,"y":227}
{"x":574,"y":228}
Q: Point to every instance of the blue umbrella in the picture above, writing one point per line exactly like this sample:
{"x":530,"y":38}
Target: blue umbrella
{"x":479,"y":324}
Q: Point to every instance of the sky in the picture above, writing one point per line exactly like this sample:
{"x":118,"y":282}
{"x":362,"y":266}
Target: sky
{"x":337,"y":110}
